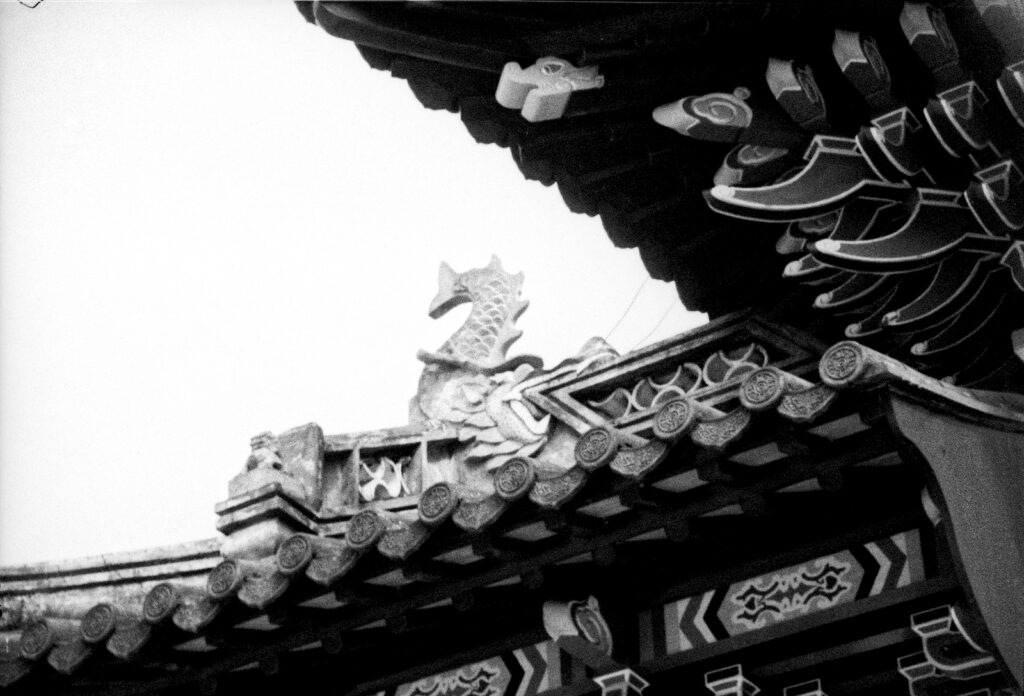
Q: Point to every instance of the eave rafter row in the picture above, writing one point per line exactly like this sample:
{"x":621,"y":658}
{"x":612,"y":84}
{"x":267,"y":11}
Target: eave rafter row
{"x":907,"y":221}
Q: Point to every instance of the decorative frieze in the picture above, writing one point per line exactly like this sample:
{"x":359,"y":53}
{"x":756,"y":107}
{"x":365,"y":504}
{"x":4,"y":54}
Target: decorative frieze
{"x":527,"y":671}
{"x":758,"y":603}
{"x":688,"y":378}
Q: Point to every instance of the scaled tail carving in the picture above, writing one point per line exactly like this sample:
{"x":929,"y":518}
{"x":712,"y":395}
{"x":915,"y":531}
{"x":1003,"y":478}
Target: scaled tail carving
{"x":470,"y":383}
{"x":482,"y":342}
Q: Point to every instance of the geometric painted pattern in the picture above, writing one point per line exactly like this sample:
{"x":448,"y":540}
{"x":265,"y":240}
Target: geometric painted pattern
{"x":756,"y":603}
{"x":526,"y":671}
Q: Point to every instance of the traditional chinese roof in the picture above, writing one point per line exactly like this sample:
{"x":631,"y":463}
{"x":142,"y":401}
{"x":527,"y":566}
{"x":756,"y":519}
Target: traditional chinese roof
{"x":732,"y":488}
{"x":853,"y":169}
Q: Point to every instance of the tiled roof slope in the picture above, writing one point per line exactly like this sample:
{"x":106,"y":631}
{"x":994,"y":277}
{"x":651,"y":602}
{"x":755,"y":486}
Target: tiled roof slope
{"x":768,"y":438}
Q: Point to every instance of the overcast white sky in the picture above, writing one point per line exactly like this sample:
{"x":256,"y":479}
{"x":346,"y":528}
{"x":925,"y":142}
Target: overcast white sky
{"x":215,"y":219}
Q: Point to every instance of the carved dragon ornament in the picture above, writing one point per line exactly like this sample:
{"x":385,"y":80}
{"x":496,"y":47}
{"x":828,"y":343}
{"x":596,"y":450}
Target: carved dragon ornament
{"x":470,"y":383}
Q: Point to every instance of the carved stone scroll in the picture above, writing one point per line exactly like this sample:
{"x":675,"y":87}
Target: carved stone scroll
{"x":580,"y":629}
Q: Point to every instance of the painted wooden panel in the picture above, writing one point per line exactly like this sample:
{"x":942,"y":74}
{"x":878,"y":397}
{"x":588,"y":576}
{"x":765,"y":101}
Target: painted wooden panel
{"x":757,"y":603}
{"x":526,"y":671}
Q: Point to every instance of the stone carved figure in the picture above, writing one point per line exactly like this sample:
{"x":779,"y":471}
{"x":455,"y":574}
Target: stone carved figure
{"x":470,"y":383}
{"x":265,"y":453}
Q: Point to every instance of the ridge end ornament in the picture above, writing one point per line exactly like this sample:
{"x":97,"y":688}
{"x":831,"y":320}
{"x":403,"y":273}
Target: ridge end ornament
{"x":469,"y":384}
{"x":579,"y":628}
{"x":842,"y":364}
{"x":542,"y":91}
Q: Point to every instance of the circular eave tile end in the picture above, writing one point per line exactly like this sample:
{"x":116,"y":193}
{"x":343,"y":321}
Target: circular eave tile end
{"x":762,"y":389}
{"x":224,"y":580}
{"x":364,"y":530}
{"x":514,"y":478}
{"x":437,"y":504}
{"x":36,"y":641}
{"x":98,"y":623}
{"x":294,"y":554}
{"x":842,"y":364}
{"x":596,"y":448}
{"x":673,"y":420}
{"x":160,"y":603}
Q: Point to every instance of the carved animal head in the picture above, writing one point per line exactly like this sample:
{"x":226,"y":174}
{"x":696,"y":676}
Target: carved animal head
{"x":454,"y":288}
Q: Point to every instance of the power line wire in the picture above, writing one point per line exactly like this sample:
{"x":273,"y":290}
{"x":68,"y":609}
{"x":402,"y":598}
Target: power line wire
{"x":608,"y":334}
{"x":656,"y":326}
